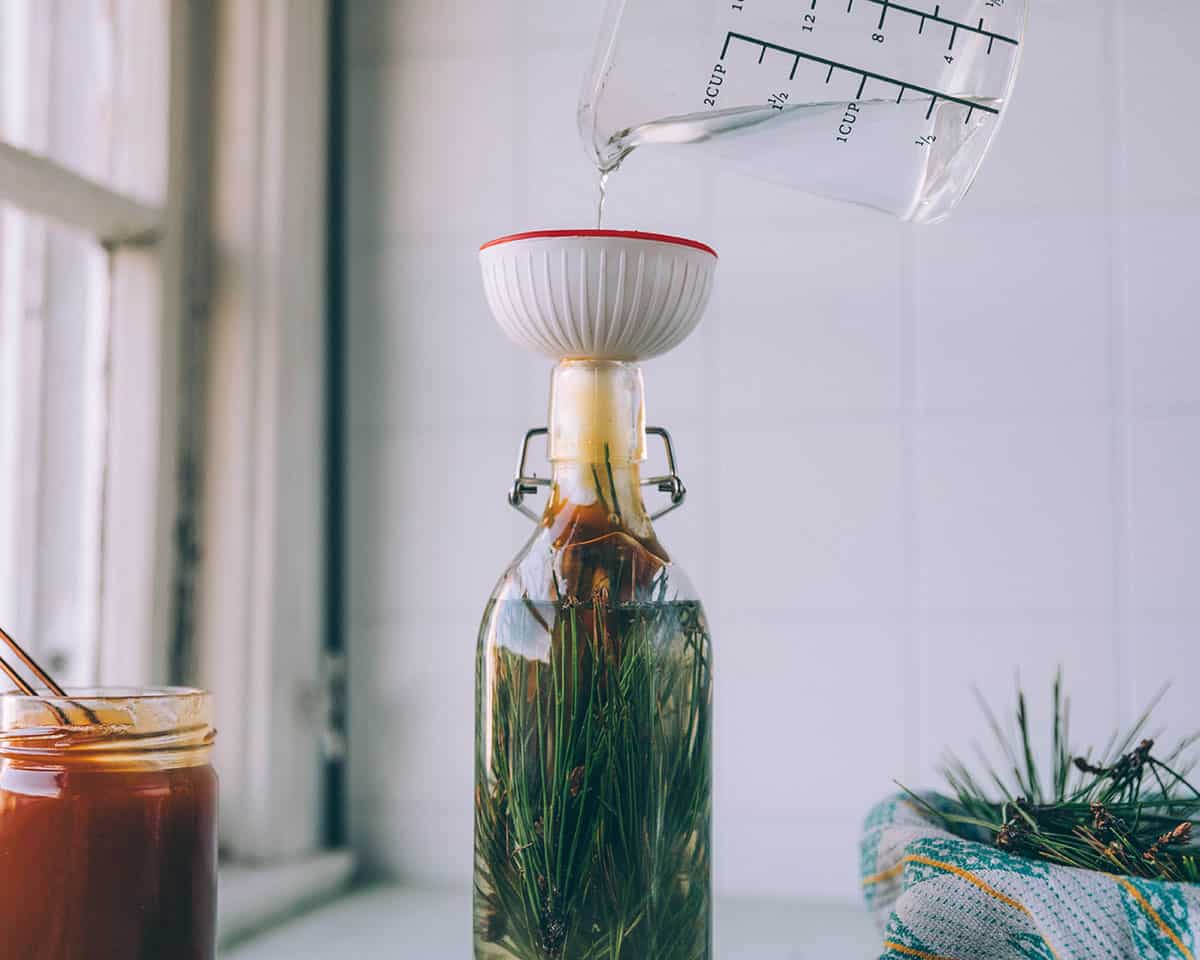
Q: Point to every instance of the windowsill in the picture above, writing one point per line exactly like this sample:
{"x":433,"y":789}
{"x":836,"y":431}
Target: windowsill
{"x":253,"y":899}
{"x":381,"y":923}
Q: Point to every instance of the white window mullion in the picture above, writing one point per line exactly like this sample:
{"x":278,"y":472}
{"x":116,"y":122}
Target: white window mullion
{"x":73,"y":304}
{"x":11,"y":247}
{"x":21,"y":287}
{"x":25,"y":46}
{"x":31,"y":354}
{"x":95,"y":421}
{"x":42,"y":186}
{"x":262,"y":610}
{"x":150,"y":315}
{"x":134,"y":571}
{"x":81,"y":114}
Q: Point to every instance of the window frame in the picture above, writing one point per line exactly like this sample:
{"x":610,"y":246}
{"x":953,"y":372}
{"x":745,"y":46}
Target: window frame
{"x":213,"y":509}
{"x":262,"y":604}
{"x":131,"y":459}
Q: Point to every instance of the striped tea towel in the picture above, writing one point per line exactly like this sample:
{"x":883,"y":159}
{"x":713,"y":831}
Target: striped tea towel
{"x":936,"y":896}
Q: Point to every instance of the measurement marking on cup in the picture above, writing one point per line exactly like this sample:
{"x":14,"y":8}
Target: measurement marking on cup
{"x":864,"y":75}
{"x":848,"y":120}
{"x":955,"y":25}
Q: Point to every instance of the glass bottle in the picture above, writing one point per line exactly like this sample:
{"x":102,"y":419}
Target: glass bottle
{"x":108,"y":826}
{"x":593,"y":710}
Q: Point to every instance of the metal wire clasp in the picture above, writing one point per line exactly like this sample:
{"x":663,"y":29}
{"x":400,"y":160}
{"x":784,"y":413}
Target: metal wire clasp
{"x":525,"y":484}
{"x":668,"y":483}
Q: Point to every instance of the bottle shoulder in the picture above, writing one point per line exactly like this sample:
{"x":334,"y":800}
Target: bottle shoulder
{"x":589,"y":574}
{"x":575,"y":555}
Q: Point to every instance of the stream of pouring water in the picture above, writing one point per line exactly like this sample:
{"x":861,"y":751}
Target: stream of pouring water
{"x":603,"y":182}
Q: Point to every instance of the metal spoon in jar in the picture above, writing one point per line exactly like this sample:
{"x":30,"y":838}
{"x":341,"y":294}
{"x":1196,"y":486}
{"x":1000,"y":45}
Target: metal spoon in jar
{"x":31,"y":665}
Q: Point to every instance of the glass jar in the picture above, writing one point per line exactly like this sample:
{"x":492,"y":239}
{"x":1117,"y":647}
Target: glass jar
{"x":593,"y":701}
{"x":108,"y":813}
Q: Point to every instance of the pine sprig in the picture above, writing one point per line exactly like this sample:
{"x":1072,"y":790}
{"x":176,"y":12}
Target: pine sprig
{"x":1126,"y":811}
{"x":592,"y":835}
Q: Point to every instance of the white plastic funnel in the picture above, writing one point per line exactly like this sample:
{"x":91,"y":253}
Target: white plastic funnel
{"x":597,"y":294}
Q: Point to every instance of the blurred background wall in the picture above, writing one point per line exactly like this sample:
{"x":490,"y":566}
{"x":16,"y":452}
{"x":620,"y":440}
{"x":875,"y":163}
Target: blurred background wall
{"x":918,"y":458}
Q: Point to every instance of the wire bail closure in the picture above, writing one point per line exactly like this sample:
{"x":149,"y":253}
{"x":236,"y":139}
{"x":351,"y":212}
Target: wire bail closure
{"x":669,"y":483}
{"x":525,"y":485}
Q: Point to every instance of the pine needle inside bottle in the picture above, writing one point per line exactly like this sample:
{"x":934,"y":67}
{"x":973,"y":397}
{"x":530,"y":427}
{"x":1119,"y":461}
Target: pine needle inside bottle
{"x":593,"y":775}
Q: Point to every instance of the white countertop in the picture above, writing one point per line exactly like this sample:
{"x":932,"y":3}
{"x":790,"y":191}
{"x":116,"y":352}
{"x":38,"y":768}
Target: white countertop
{"x":395,"y":923}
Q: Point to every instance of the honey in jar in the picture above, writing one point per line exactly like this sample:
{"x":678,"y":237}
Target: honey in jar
{"x":108,"y":809}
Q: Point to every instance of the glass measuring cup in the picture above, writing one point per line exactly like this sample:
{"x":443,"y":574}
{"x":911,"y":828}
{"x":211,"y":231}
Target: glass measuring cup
{"x":885,"y":104}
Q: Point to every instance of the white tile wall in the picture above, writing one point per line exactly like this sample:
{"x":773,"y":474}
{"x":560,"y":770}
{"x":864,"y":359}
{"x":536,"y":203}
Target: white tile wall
{"x":919,"y":458}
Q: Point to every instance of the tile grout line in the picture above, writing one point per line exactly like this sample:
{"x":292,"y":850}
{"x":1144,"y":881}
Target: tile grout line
{"x":519,"y":415}
{"x":1117,"y":174}
{"x":912,"y":647}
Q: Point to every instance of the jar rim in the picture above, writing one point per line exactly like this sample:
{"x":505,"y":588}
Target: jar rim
{"x":136,"y":726}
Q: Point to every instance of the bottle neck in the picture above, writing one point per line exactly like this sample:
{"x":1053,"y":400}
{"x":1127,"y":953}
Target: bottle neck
{"x":598,"y":439}
{"x":613,"y":493}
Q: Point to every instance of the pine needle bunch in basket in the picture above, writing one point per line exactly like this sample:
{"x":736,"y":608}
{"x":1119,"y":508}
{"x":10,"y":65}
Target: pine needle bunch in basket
{"x":1131,"y":810}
